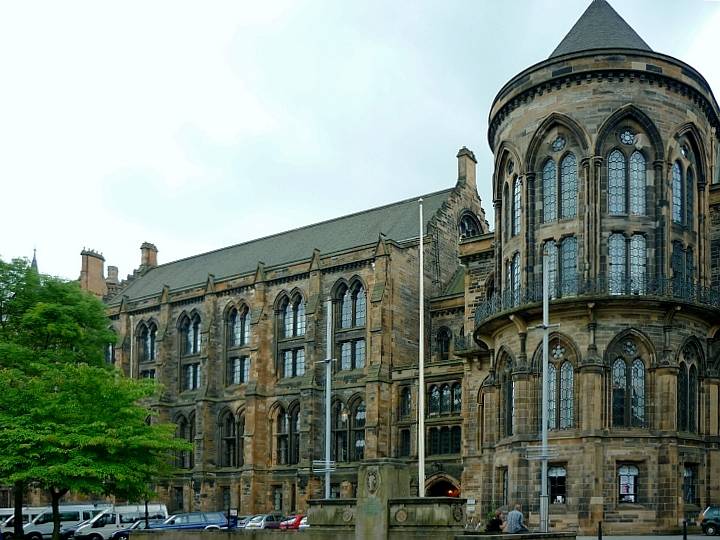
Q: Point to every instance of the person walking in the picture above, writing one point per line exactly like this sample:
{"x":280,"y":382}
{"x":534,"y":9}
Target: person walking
{"x":515,"y":522}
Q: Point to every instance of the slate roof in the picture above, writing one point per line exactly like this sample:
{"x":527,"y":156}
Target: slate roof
{"x":600,"y":27}
{"x":397,"y":221}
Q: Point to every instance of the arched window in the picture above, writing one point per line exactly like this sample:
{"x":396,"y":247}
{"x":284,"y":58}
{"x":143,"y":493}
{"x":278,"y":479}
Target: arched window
{"x":456,"y":398}
{"x":228,"y":440}
{"x":190,"y":335}
{"x":566,"y":395}
{"x":561,"y":401}
{"x":294,"y":436}
{"x":616,"y":183}
{"x":282,"y":432}
{"x":638,"y":180}
{"x":445,"y":399}
{"x":516,"y":202}
{"x":677,"y":194}
{"x":628,"y":388}
{"x":340,"y":432}
{"x":185,"y":430}
{"x":568,"y":270}
{"x":549,"y":191}
{"x":550,"y":249}
{"x":687,"y":390}
{"x":350,"y":319}
{"x":434,"y":401}
{"x":568,"y":187}
{"x":616,"y":263}
{"x":443,"y":343}
{"x":405,"y":402}
{"x":239,"y":327}
{"x":291,"y":345}
{"x":469,"y":226}
{"x":513,"y":279}
{"x":358,"y":431}
{"x":638,"y":264}
{"x":628,"y":484}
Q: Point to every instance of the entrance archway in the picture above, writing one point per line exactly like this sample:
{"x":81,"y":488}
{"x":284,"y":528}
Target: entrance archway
{"x":442,"y":487}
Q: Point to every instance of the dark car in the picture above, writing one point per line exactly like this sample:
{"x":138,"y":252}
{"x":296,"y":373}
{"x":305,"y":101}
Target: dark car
{"x":196,"y":520}
{"x":124,"y":534}
{"x":710,"y":520}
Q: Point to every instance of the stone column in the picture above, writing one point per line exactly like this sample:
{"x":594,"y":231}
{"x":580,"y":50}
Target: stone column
{"x":378,"y":481}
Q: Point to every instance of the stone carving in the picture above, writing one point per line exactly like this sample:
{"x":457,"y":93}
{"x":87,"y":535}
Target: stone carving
{"x":458,"y":513}
{"x":401,"y":515}
{"x":347,"y":515}
{"x":372,"y":481}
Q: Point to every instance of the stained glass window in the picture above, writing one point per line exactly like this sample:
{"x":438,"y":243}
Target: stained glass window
{"x":626,"y":136}
{"x":552,"y":266}
{"x":619,"y":389}
{"x":690,"y":218}
{"x":568,"y":186}
{"x":558,"y":144}
{"x":445,"y":399}
{"x":360,"y":306}
{"x":552,"y":396}
{"x":569,"y":266}
{"x":346,"y":310}
{"x":434,"y":401}
{"x":682,"y":398}
{"x":638,"y":394}
{"x":616,"y":264}
{"x":637,"y":184}
{"x":677,"y":196}
{"x":616,"y":182}
{"x":638,"y":264}
{"x":549,"y":191}
{"x":566,"y":395}
{"x":516,"y":207}
{"x":456,"y":398}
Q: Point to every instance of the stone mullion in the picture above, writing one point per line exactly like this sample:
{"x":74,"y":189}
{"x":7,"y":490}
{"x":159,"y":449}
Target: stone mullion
{"x":588,"y":217}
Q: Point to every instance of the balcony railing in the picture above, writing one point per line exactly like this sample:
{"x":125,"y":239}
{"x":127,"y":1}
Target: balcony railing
{"x":664,"y":288}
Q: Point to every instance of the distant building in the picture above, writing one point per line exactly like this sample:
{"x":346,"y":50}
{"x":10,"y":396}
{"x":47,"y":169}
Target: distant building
{"x":606,"y":158}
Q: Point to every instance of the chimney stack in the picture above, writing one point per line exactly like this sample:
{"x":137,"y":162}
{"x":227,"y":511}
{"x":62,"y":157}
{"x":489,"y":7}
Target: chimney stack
{"x":92,"y":273}
{"x":466,"y":167}
{"x":148,"y":256}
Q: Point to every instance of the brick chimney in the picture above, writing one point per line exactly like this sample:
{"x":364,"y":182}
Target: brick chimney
{"x":148,"y":256}
{"x":466,"y":167}
{"x":92,"y":273}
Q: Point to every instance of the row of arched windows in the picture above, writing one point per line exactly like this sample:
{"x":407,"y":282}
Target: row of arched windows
{"x":627,"y":388}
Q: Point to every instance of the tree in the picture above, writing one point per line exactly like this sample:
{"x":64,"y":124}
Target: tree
{"x":68,"y":421}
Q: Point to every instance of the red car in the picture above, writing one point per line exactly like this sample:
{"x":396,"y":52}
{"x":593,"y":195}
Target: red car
{"x":292,"y":522}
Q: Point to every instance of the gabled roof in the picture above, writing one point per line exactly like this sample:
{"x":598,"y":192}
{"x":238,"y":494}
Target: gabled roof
{"x":397,"y":221}
{"x":600,"y":27}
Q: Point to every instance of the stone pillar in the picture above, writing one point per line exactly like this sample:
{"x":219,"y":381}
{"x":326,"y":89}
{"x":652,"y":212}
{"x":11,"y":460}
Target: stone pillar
{"x":378,"y":481}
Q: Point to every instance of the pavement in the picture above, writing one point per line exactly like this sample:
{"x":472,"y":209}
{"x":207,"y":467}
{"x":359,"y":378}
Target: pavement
{"x":698,"y":536}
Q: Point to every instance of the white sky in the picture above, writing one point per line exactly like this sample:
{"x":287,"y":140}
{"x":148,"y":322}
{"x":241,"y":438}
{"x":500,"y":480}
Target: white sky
{"x":197,"y":125}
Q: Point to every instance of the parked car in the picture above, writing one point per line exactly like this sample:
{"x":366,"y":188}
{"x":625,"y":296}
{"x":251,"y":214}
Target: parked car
{"x":243,"y":520}
{"x":124,"y":534}
{"x":114,"y":518}
{"x":265,"y":521}
{"x":70,"y":515}
{"x":68,"y":531}
{"x":7,"y":527}
{"x":196,"y":520}
{"x":304,"y":523}
{"x":710,"y":520}
{"x":291,"y":522}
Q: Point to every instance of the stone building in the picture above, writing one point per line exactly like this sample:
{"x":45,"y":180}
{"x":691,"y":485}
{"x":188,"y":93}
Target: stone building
{"x":605,"y":165}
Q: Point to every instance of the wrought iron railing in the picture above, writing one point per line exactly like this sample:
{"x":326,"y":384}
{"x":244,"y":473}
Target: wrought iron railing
{"x":667,"y":288}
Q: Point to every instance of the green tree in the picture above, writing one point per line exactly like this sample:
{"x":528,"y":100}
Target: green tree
{"x":68,"y":421}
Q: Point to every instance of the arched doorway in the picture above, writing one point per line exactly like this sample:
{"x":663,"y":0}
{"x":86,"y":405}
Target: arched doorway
{"x":442,"y":486}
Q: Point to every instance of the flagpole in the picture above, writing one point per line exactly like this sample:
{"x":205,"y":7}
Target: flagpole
{"x":328,"y":392}
{"x":421,"y":368}
{"x":544,"y":499}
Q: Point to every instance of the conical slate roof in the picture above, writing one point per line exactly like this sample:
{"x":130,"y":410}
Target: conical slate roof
{"x":600,"y":27}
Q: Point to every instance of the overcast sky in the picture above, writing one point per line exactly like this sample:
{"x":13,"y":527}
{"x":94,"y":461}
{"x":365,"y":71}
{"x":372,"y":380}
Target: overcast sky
{"x":197,"y":125}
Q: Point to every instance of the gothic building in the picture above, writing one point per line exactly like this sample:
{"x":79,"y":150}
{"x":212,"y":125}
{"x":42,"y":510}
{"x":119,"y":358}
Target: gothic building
{"x":605,"y":167}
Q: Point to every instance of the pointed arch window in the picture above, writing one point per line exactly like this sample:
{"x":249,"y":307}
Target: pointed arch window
{"x":568,"y":187}
{"x":560,"y":389}
{"x":443,"y":343}
{"x":282,"y":432}
{"x":638,"y":180}
{"x":628,"y":388}
{"x":616,"y":183}
{"x":239,"y":327}
{"x":340,"y":417}
{"x":687,"y":391}
{"x":228,"y":440}
{"x":147,"y":337}
{"x":469,"y":226}
{"x":350,"y":319}
{"x":190,"y":329}
{"x":626,"y":183}
{"x":516,"y":206}
{"x":185,"y":430}
{"x":358,"y":431}
{"x":677,"y":193}
{"x":292,"y":317}
{"x":405,"y":402}
{"x":549,"y":191}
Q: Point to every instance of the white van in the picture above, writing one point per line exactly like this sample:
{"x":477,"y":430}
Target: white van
{"x":28,"y":514}
{"x":114,"y":518}
{"x":70,"y":514}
